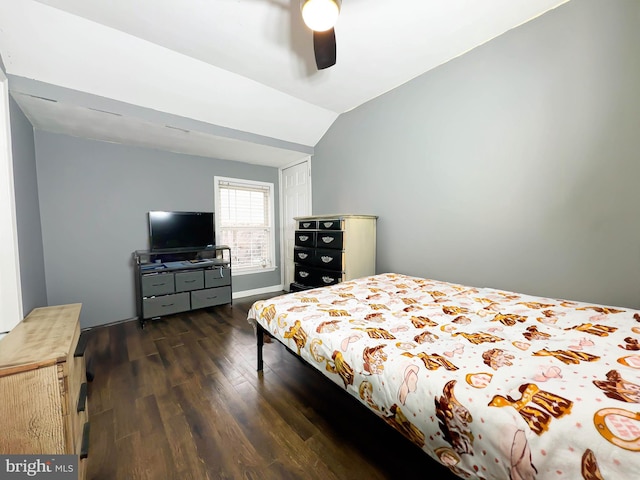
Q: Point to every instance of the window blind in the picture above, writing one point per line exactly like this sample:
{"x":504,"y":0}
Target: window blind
{"x":245,"y":224}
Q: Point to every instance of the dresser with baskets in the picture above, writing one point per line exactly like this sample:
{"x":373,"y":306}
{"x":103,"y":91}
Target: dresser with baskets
{"x":333,"y":248}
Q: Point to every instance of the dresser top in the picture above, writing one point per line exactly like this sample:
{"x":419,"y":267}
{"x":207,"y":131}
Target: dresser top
{"x":334,"y":216}
{"x":43,"y":338}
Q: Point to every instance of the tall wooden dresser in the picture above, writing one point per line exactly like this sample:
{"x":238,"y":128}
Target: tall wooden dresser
{"x":333,"y":248}
{"x":43,"y":390}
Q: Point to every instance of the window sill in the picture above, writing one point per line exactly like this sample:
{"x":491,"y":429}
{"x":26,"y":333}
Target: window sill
{"x":251,"y":271}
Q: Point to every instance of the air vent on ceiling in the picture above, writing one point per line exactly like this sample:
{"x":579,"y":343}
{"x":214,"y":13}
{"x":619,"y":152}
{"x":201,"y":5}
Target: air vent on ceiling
{"x":105,"y":111}
{"x":176,"y":128}
{"x":41,"y":98}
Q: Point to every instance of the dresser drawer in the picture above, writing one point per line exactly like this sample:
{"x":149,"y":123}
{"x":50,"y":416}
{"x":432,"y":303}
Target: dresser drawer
{"x":328,"y":258}
{"x":157,"y":284}
{"x":210,"y":297}
{"x":329,"y":239}
{"x":305,"y":239}
{"x":304,"y":275}
{"x":303,"y":255}
{"x":307,"y":224}
{"x":331,"y":224}
{"x":167,"y":305}
{"x":186,"y":281}
{"x":217,"y":277}
{"x":316,"y":277}
{"x":328,"y":277}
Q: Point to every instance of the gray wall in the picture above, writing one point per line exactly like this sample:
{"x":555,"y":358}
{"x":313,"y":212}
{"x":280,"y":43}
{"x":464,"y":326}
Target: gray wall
{"x":32,"y":276}
{"x":514,"y":166}
{"x":94,"y":198}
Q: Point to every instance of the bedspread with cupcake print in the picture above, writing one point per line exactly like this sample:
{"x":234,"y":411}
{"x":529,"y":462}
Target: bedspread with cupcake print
{"x":492,"y":384}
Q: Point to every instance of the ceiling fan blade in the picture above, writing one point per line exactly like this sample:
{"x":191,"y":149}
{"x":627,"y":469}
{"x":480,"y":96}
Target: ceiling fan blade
{"x":324,"y":46}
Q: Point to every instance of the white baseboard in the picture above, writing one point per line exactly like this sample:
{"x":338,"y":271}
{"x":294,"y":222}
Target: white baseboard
{"x":257,"y":291}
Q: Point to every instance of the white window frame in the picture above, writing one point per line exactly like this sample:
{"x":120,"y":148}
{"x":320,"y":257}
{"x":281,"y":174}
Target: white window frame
{"x":235,"y":270}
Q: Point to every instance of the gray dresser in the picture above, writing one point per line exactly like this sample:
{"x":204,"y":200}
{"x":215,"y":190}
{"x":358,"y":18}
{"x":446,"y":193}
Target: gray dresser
{"x":165,"y":287}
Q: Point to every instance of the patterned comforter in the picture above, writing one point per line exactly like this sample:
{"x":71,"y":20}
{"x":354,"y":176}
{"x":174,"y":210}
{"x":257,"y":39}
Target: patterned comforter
{"x":492,"y":384}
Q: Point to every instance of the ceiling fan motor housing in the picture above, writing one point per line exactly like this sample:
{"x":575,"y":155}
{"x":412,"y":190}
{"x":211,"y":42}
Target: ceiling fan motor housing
{"x":324,"y":47}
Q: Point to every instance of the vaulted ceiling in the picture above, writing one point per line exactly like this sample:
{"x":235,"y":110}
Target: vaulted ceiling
{"x":229,"y":79}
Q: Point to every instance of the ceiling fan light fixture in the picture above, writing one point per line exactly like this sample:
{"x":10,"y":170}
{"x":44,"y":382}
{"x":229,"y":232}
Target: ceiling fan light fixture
{"x":320,"y":15}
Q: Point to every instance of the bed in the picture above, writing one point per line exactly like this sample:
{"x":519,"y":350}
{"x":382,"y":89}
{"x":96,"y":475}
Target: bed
{"x":490,"y":383}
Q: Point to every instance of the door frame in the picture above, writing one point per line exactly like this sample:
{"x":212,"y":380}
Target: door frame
{"x":283,"y":257}
{"x":11,"y":310}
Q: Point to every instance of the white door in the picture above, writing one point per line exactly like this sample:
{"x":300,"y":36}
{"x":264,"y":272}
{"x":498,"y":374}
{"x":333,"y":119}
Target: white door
{"x":296,"y":202}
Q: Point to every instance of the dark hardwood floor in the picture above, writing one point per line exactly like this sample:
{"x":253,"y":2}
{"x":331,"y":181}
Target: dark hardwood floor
{"x":181,"y":399}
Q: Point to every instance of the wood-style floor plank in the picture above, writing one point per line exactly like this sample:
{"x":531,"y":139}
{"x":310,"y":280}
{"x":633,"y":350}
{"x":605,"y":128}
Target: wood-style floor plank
{"x":181,"y":398}
{"x":103,"y":441}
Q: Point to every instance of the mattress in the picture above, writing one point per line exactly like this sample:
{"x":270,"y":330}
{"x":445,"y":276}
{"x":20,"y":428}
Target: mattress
{"x":490,"y":383}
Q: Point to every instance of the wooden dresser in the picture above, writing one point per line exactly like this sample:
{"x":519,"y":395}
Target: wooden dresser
{"x":43,"y":390}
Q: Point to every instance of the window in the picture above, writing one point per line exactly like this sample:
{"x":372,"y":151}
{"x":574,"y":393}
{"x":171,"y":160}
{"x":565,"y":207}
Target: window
{"x":244,"y":222}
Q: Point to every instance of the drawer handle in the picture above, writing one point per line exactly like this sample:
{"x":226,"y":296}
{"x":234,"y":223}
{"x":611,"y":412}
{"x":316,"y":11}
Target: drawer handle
{"x":302,"y":255}
{"x":189,"y":281}
{"x":212,"y":298}
{"x":328,"y":224}
{"x":328,"y":239}
{"x":326,"y":259}
{"x":303,"y":238}
{"x":304,"y":274}
{"x":328,"y":279}
{"x":82,"y":344}
{"x":158,"y":284}
{"x":167,"y":305}
{"x":306,"y":225}
{"x":82,"y":399}
{"x":84,"y":447}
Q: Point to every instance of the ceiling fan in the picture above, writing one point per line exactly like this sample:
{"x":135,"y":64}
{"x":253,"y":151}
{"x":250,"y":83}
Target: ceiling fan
{"x":321,"y":16}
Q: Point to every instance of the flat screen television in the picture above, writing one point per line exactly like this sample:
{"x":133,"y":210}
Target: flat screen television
{"x":180,"y":230}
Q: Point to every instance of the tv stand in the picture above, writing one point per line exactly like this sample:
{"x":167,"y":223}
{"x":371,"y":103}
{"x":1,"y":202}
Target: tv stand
{"x":169,"y":282}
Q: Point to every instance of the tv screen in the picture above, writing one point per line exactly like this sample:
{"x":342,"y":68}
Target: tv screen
{"x":180,"y":230}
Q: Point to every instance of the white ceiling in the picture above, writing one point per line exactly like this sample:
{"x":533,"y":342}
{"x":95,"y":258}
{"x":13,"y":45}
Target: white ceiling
{"x":230,"y":79}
